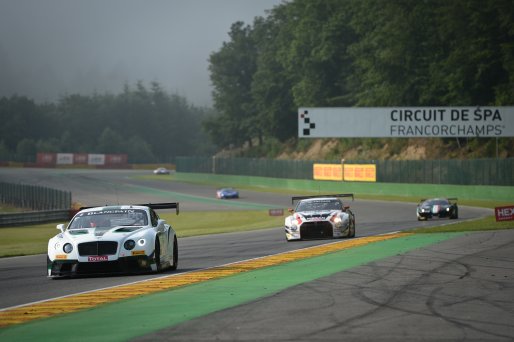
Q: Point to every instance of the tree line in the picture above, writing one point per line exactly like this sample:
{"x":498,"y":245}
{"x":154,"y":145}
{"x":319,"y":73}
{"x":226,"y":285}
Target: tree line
{"x":147,"y":124}
{"x":302,"y":53}
{"x":342,"y":53}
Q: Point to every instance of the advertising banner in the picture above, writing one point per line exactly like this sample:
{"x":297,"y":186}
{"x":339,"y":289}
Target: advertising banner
{"x":115,"y":159}
{"x":360,"y":173}
{"x":328,"y":172}
{"x":80,"y":158}
{"x":96,"y":159}
{"x":352,"y":172}
{"x":64,"y":158}
{"x":46,"y":158}
{"x":504,"y":213}
{"x":405,"y":122}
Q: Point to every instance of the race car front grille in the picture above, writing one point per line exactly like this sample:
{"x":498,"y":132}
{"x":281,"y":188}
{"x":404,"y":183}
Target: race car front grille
{"x":98,"y":248}
{"x":316,"y":230}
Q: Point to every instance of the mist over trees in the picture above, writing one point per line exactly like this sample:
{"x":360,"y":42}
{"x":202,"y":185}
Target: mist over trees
{"x":359,"y":53}
{"x":147,"y":124}
{"x":303,"y":53}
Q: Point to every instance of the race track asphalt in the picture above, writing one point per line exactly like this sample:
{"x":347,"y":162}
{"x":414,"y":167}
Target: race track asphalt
{"x":459,"y":289}
{"x":422,"y":287}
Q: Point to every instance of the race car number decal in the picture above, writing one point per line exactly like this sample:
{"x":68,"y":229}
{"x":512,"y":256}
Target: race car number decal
{"x":97,"y":258}
{"x":316,"y":219}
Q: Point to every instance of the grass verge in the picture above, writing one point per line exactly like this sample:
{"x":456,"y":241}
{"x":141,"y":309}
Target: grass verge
{"x":483,"y":224}
{"x":33,"y":239}
{"x":484,"y":203}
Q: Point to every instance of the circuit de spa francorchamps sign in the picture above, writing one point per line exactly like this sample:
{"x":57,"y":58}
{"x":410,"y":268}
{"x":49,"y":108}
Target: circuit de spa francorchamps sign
{"x":405,"y":122}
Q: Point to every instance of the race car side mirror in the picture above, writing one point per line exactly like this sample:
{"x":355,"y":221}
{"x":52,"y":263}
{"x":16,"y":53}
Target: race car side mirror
{"x":346,"y":207}
{"x":60,"y":227}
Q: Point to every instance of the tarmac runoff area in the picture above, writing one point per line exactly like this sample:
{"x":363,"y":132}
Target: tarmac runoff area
{"x":411,"y":287}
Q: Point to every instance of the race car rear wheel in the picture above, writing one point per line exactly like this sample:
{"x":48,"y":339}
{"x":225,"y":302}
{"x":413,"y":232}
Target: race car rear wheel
{"x":175,"y":254}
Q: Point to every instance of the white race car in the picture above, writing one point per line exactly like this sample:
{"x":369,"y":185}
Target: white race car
{"x":318,"y":217}
{"x":114,"y":239}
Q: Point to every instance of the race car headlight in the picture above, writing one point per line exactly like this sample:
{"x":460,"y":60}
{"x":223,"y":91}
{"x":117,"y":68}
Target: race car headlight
{"x":67,"y":248}
{"x":141,"y":242}
{"x":337,"y":221}
{"x":447,"y":209}
{"x":129,"y":245}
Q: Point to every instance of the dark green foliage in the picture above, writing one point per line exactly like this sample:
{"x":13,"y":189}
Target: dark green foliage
{"x":341,"y":53}
{"x":148,"y":125}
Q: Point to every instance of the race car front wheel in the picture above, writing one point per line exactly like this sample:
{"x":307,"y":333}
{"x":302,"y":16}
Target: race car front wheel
{"x":351,"y":232}
{"x":157,"y":254}
{"x":175,"y":254}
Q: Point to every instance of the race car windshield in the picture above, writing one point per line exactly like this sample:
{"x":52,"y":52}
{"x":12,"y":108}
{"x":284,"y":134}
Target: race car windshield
{"x":109,"y":219}
{"x":319,"y":205}
{"x":436,"y":202}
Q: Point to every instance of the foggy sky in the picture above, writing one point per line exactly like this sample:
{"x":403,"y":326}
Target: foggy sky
{"x":51,"y":48}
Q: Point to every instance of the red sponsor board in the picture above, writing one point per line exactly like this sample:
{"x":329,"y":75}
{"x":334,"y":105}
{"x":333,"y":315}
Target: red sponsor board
{"x":504,"y":213}
{"x":96,"y":159}
{"x":80,"y":158}
{"x":276,"y":212}
{"x":97,"y":258}
{"x":115,"y":159}
{"x":46,"y":158}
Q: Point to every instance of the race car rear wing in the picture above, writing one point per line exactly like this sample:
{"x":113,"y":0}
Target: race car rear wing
{"x":296,"y":198}
{"x":170,"y":205}
{"x":155,"y":206}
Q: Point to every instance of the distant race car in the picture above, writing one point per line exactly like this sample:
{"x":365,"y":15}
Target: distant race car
{"x":437,"y":207}
{"x":322,"y":216}
{"x":114,"y":239}
{"x":161,"y":171}
{"x":227,"y":193}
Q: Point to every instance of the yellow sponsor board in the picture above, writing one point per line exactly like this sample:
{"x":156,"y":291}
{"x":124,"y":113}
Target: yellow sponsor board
{"x":328,"y":172}
{"x":352,"y":172}
{"x":360,"y":172}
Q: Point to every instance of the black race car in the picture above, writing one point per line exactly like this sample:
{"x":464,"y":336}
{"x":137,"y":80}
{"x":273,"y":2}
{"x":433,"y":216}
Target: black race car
{"x":437,"y":207}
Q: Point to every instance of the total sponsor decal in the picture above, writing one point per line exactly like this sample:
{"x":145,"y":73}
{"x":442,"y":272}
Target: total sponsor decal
{"x":98,"y":258}
{"x":504,"y":213}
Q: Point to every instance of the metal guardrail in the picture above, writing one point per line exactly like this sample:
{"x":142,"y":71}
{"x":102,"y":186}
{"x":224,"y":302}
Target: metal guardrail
{"x":34,"y":197}
{"x":33,"y":217}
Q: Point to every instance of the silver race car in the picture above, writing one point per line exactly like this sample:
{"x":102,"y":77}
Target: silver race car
{"x":319,"y":217}
{"x":114,"y":239}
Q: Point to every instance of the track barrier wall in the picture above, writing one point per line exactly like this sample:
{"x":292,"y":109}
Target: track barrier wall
{"x":498,"y":172}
